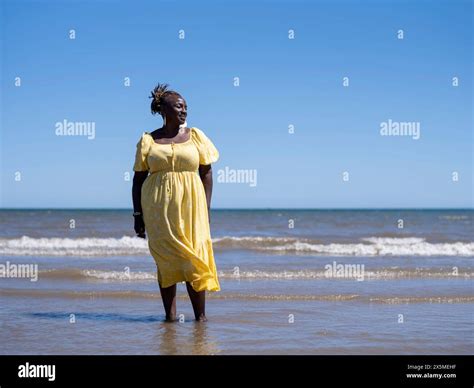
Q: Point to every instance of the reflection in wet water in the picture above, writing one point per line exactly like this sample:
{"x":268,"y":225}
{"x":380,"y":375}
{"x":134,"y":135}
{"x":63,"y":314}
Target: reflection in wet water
{"x":185,"y":338}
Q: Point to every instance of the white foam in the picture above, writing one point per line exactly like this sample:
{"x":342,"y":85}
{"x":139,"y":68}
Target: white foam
{"x":369,"y":246}
{"x":374,"y":274}
{"x":380,"y":248}
{"x":394,"y":240}
{"x":119,"y":275}
{"x":134,"y":246}
{"x":26,"y":246}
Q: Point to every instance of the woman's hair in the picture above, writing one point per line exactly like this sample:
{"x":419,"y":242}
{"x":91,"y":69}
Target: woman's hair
{"x":158,"y":95}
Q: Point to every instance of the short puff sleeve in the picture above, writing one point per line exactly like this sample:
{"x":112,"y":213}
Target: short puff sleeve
{"x":207,"y":151}
{"x":143,"y":147}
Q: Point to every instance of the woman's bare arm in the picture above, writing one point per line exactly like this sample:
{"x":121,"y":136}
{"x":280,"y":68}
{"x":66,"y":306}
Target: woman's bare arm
{"x":205,"y":172}
{"x":138,"y":179}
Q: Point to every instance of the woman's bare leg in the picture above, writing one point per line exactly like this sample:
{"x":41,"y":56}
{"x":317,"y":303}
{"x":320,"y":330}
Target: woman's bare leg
{"x":168,"y":295}
{"x":198,"y":300}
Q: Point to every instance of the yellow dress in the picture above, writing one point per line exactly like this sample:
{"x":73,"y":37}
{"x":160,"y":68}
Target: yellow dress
{"x":175,"y":209}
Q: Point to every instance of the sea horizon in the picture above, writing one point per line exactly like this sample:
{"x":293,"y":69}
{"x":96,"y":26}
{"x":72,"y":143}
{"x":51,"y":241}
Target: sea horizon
{"x":259,"y":208}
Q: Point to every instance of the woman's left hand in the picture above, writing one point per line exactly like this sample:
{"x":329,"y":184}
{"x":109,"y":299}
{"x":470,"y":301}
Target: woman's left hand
{"x":139,"y":227}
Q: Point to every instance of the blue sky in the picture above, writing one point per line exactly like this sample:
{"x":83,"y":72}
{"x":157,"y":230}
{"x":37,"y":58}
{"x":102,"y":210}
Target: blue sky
{"x":282,"y":82}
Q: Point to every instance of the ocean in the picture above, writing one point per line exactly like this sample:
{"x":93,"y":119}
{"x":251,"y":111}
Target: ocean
{"x":293,"y":282}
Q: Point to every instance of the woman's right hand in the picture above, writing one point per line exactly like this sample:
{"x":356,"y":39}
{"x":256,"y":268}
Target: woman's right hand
{"x":139,"y":226}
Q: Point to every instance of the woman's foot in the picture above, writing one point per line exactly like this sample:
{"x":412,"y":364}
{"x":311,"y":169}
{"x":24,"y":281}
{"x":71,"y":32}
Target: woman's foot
{"x":168,"y":295}
{"x":170,"y":318}
{"x":198,"y":300}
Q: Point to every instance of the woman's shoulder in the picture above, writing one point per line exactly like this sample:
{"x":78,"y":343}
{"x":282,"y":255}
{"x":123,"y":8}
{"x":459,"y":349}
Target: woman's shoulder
{"x":195,"y":133}
{"x":146,"y":136}
{"x":207,"y":151}
{"x":198,"y":133}
{"x":145,"y":140}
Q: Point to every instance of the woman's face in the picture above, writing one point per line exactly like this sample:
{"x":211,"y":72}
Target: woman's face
{"x":176,"y":109}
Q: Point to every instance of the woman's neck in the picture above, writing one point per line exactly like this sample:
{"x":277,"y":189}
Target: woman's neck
{"x":170,"y":131}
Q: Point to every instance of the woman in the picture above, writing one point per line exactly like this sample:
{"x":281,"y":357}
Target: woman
{"x":171,"y":202}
